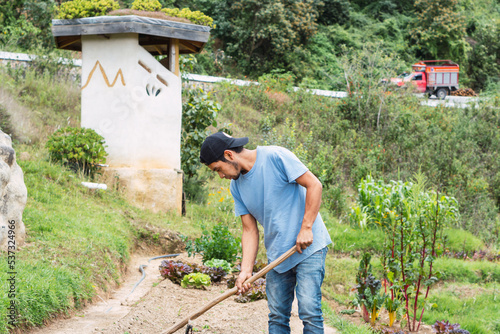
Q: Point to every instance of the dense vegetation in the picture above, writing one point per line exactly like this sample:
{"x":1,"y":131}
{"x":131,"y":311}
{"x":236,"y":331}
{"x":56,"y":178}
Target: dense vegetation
{"x":308,"y":37}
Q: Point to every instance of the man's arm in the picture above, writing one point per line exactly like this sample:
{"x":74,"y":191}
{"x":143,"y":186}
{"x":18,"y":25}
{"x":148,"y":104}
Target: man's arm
{"x":250,"y":245}
{"x":313,"y":200}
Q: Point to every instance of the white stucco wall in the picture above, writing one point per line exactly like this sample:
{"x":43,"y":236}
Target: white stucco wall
{"x":141,"y":130}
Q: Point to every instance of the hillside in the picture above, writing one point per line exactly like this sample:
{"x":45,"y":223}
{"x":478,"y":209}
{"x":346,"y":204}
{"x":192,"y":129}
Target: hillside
{"x":389,"y":136}
{"x":338,"y":138}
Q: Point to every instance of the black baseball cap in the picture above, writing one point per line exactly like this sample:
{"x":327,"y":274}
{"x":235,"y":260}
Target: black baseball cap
{"x":214,"y":146}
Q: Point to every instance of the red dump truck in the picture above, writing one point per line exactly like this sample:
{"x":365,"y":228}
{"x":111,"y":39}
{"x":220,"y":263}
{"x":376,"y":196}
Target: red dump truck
{"x":432,"y":77}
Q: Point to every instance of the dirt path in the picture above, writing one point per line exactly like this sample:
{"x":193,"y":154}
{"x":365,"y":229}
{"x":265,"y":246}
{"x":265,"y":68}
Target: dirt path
{"x":157,"y":304}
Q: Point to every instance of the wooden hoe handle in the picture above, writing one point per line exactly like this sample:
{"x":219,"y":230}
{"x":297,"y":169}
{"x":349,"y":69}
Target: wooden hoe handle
{"x":231,"y":292}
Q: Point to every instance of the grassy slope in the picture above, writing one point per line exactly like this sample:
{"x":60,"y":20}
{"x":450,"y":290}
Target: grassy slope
{"x":77,"y":243}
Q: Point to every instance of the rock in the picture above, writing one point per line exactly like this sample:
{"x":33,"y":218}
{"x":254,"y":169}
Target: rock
{"x":13,"y":195}
{"x":340,"y":288}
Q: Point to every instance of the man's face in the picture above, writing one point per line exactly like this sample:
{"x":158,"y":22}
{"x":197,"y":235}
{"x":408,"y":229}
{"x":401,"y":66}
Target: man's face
{"x":226,"y":170}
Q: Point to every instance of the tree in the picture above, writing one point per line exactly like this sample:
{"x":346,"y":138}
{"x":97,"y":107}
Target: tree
{"x":26,"y":23}
{"x":483,"y":65}
{"x":259,"y":33}
{"x":439,"y":30}
{"x":9,"y":11}
{"x":334,"y":11}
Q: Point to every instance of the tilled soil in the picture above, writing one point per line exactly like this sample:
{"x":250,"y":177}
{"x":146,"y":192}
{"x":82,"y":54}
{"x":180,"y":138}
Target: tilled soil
{"x":158,"y":304}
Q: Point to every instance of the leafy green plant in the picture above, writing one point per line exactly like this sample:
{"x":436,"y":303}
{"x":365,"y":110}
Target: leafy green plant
{"x":196,"y":17}
{"x":199,"y":111}
{"x":413,"y":219}
{"x":216,"y":274}
{"x":85,"y":8}
{"x":174,"y":270}
{"x":79,"y":148}
{"x":147,"y":5}
{"x":444,"y":327}
{"x":216,"y":263}
{"x":177,"y":270}
{"x":217,"y":244}
{"x":195,"y":280}
{"x":392,"y":307}
{"x":368,"y":288}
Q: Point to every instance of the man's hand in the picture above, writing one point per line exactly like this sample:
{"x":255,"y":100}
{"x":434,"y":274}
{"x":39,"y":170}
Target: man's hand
{"x":242,"y":277}
{"x":304,"y":239}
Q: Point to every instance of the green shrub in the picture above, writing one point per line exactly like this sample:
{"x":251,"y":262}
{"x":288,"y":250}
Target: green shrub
{"x":196,"y":17}
{"x":219,"y":244}
{"x":195,"y":280}
{"x":148,"y":5}
{"x":78,"y":148}
{"x":199,"y":111}
{"x":86,"y":8}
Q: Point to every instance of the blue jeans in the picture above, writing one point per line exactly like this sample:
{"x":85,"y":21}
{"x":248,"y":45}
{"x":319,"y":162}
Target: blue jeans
{"x":306,"y":279}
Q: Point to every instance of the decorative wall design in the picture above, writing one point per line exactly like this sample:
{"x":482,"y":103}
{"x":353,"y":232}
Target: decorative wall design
{"x":118,"y":74}
{"x":152,"y":90}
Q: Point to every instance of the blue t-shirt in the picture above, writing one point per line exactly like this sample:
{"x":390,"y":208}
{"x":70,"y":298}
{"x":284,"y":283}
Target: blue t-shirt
{"x":270,"y":194}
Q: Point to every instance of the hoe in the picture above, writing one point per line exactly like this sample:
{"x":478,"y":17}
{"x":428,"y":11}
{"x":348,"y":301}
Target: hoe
{"x":229,"y":293}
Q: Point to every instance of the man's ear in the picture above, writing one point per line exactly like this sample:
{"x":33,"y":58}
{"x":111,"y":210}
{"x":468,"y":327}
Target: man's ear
{"x":229,"y":155}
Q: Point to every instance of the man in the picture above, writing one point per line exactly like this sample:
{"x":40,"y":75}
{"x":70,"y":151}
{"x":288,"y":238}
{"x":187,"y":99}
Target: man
{"x":271,"y":186}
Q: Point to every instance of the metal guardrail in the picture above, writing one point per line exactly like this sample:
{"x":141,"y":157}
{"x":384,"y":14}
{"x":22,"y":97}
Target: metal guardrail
{"x":23,"y":57}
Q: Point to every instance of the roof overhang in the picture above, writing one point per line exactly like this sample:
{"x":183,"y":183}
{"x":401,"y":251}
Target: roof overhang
{"x":154,"y":34}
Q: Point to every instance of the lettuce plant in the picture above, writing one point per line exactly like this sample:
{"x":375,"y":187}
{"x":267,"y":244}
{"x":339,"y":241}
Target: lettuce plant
{"x":216,"y":263}
{"x":257,"y":292}
{"x":196,"y":280}
{"x":174,"y":270}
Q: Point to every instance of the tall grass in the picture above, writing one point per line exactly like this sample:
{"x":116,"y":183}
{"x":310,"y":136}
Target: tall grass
{"x":49,"y":96}
{"x":342,"y":325}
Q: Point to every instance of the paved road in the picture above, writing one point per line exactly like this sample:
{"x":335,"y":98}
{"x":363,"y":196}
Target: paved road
{"x":450,"y":101}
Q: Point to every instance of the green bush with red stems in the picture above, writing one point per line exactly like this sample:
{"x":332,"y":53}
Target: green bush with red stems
{"x":413,"y":219}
